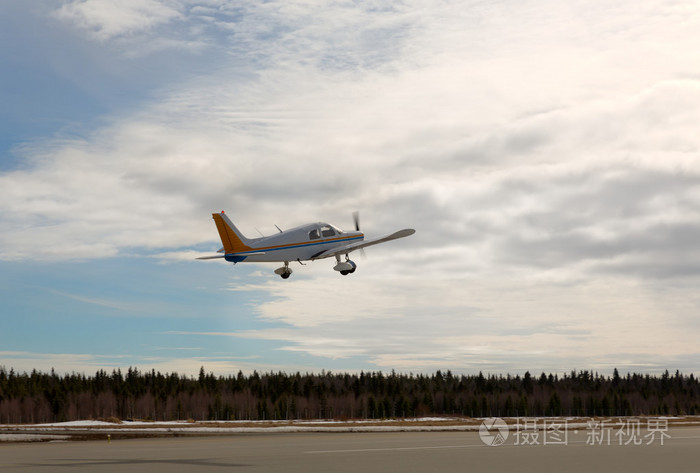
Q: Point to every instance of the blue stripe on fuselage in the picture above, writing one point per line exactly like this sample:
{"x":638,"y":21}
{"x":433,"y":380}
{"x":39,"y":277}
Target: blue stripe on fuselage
{"x":232,"y":258}
{"x":242,"y":255}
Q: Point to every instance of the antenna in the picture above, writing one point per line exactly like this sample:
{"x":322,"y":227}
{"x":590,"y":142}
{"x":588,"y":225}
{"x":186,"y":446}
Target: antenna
{"x":278,"y":228}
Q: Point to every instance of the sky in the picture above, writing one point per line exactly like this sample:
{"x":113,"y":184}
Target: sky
{"x":547,"y":154}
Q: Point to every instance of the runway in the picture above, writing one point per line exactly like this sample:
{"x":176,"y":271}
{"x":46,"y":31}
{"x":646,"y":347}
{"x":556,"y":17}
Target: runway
{"x":353,"y":452}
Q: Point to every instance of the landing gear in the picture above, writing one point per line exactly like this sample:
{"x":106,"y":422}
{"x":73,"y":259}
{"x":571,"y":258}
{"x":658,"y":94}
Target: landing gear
{"x":346,"y":267}
{"x":284,"y":272}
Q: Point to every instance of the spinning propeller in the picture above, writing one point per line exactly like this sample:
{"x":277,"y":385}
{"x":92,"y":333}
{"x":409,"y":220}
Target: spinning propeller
{"x":356,"y":218}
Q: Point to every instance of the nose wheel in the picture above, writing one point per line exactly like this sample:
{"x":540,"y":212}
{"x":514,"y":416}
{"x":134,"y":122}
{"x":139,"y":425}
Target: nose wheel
{"x":346,"y":267}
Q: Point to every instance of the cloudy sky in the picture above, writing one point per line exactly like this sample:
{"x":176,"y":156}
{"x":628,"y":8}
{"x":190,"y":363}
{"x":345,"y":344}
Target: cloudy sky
{"x":546,"y":152}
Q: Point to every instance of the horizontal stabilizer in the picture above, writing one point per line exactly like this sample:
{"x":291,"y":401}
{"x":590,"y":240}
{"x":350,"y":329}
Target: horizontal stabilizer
{"x":211,"y":257}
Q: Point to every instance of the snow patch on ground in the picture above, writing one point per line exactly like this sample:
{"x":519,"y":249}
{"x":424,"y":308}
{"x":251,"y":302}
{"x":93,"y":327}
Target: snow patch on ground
{"x":77,"y":423}
{"x":99,"y":423}
{"x":93,"y":428}
{"x":31,"y":437}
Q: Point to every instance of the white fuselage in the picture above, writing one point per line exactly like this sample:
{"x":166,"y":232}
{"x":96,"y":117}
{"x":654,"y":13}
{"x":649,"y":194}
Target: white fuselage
{"x":301,"y":243}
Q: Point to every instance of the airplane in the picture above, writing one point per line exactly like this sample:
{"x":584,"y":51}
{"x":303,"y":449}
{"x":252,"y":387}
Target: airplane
{"x":308,"y":242}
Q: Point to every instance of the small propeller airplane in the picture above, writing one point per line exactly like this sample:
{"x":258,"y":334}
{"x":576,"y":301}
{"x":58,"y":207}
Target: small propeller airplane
{"x":304,"y":243}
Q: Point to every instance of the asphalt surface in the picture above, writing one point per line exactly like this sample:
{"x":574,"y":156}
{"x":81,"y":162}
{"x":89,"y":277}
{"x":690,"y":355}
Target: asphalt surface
{"x":359,"y":451}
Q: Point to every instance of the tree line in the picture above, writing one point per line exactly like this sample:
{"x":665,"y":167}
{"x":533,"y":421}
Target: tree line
{"x":38,"y":397}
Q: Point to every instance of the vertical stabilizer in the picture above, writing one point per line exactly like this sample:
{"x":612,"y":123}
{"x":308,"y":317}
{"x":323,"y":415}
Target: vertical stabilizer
{"x":231,"y":237}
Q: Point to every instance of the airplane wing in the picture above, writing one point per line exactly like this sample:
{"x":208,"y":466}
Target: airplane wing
{"x":364,"y":244}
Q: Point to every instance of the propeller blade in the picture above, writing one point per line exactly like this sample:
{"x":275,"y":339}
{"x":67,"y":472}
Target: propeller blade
{"x":356,"y":218}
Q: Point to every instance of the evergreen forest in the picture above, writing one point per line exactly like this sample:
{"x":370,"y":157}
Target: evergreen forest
{"x":38,"y":397}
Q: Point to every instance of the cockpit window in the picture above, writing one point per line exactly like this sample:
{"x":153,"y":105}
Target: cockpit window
{"x":327,"y":231}
{"x":314,"y":235}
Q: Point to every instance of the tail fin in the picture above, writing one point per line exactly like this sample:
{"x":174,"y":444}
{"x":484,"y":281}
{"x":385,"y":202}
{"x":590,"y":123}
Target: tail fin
{"x":231,"y":237}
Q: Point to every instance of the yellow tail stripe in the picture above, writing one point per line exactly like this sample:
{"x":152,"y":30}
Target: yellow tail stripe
{"x":232,"y":244}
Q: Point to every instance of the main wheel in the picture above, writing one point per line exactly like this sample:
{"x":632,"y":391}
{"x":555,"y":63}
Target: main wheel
{"x":285,"y":275}
{"x":345,"y":273}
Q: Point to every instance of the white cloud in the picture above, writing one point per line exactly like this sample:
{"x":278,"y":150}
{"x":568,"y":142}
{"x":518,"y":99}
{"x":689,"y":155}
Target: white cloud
{"x":472,"y":133}
{"x":88,"y":364}
{"x":543,"y":151}
{"x":106,"y":19}
{"x":471,"y":325}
